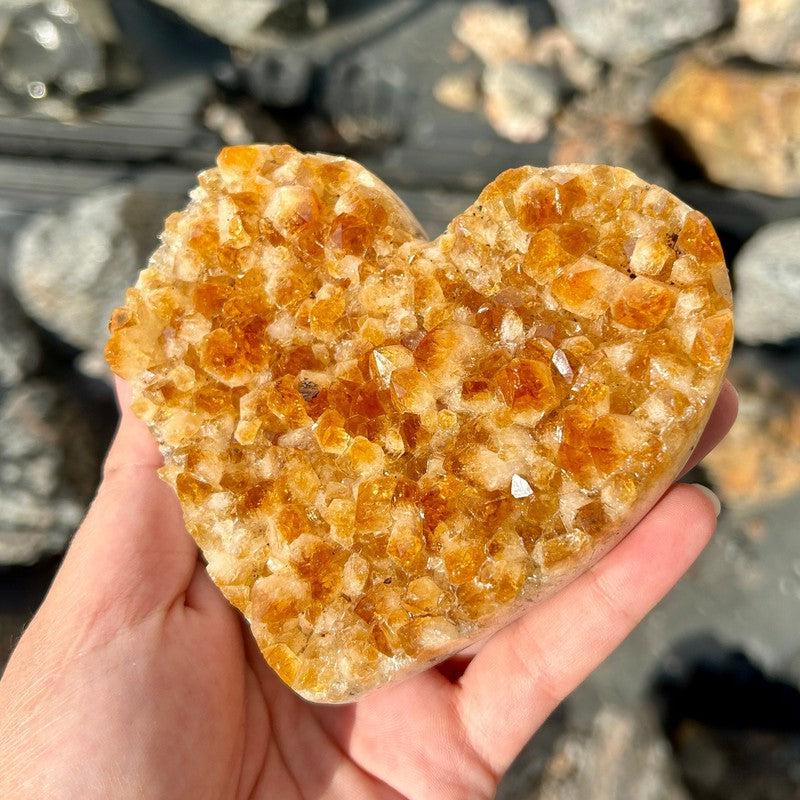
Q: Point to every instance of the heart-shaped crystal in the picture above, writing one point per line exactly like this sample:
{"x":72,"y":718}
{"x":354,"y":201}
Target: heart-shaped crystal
{"x":384,"y":446}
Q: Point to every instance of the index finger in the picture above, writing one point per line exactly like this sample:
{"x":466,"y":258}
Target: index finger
{"x":719,"y":423}
{"x":521,"y":674}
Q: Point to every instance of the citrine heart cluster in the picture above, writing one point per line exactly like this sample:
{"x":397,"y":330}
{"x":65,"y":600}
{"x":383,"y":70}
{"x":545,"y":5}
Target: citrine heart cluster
{"x":386,"y":446}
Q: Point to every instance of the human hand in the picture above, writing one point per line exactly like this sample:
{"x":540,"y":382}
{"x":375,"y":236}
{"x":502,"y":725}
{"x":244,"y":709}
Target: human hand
{"x":136,"y":679}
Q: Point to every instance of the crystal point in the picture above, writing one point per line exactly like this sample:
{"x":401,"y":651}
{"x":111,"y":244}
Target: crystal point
{"x":520,"y":487}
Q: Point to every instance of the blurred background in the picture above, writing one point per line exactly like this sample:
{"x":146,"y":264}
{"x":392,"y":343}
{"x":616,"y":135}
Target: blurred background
{"x":108,"y":108}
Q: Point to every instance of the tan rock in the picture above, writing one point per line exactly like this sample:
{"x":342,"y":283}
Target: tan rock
{"x":742,"y":126}
{"x":458,"y":90}
{"x":495,"y":33}
{"x":759,"y":461}
{"x":769,"y":30}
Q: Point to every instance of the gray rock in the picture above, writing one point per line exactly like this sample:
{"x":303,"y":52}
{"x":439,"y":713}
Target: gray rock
{"x":279,"y":78}
{"x":631,"y":31}
{"x":748,"y":764}
{"x":620,"y":755}
{"x":19,"y":348}
{"x":242,"y":120}
{"x":767,"y":277}
{"x":235,"y":22}
{"x":609,"y":124}
{"x":553,"y":47}
{"x":769,"y":30}
{"x":52,"y":53}
{"x":368,"y":100}
{"x":520,"y":100}
{"x":70,"y":269}
{"x":626,"y":92}
{"x":747,"y":749}
{"x":589,"y":138}
{"x":48,"y":468}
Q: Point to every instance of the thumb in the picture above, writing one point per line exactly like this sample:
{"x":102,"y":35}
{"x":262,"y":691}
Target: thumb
{"x":134,"y":446}
{"x":132,"y":554}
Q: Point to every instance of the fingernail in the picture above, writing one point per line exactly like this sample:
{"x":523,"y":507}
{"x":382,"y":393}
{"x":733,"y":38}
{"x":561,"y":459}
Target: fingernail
{"x":711,"y":496}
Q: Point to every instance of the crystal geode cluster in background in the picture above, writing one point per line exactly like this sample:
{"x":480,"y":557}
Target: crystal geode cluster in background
{"x":384,"y":445}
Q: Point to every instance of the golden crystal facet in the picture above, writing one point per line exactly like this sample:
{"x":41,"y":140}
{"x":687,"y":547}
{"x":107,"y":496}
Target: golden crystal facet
{"x":385,"y":446}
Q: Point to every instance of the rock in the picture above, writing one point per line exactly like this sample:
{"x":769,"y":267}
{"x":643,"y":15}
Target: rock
{"x":586,"y":139}
{"x":747,"y":749}
{"x":458,"y":90}
{"x":521,"y":90}
{"x":368,"y":100}
{"x":499,"y":34}
{"x":741,"y":125}
{"x":627,"y":92}
{"x":235,"y":22}
{"x":19,"y":347}
{"x":621,"y":754}
{"x":610,"y":125}
{"x":767,"y":271}
{"x":495,"y":33}
{"x":53,"y":53}
{"x":553,"y":47}
{"x":769,"y":30}
{"x":632,"y":31}
{"x":520,"y":100}
{"x":70,"y":268}
{"x":240,"y":119}
{"x":278,"y":77}
{"x":583,"y":138}
{"x":748,"y":763}
{"x":758,"y":461}
{"x":48,"y":470}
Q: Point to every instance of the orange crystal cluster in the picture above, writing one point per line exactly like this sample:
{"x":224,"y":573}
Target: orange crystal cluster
{"x":385,"y":446}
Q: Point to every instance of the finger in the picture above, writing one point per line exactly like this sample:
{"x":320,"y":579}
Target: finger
{"x":454,"y":667}
{"x":720,"y":422}
{"x":522,"y":673}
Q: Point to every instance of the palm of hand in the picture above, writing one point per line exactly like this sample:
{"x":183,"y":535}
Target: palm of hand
{"x":136,"y":679}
